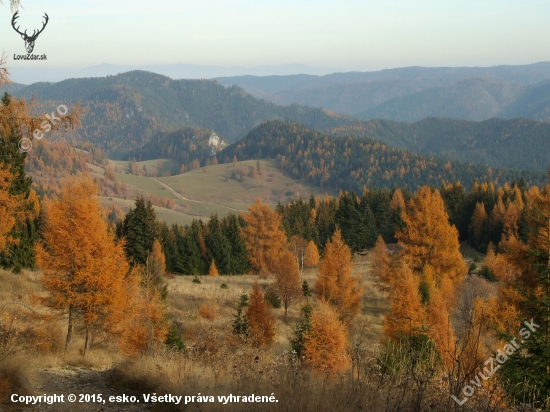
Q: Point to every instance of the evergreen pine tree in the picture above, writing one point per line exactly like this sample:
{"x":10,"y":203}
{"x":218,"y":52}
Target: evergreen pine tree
{"x":370,"y":230}
{"x":348,"y":218}
{"x":302,"y":328}
{"x":189,"y":260}
{"x":239,"y":254}
{"x":217,"y":245}
{"x":240,"y":324}
{"x":139,"y":228}
{"x":168,"y":242}
{"x":21,"y":255}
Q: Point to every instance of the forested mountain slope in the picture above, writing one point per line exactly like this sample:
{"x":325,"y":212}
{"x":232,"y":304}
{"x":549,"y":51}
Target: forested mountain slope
{"x":126,"y":110}
{"x":350,"y":163}
{"x":508,"y":143}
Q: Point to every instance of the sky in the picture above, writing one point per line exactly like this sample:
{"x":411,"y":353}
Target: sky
{"x":342,"y":35}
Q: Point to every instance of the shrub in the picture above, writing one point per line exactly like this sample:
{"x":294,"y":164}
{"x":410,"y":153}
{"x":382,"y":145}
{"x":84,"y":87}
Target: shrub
{"x":224,"y":286}
{"x":272,"y":298}
{"x":487,"y":273}
{"x":208,"y":311}
{"x":173,"y":338}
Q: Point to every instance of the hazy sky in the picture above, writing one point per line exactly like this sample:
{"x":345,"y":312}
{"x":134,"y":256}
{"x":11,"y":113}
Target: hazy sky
{"x":344,"y":34}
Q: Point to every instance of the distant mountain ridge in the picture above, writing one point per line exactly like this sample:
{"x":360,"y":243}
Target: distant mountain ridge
{"x":126,"y":110}
{"x":413,"y":93}
{"x":470,"y":99}
{"x":29,"y":75}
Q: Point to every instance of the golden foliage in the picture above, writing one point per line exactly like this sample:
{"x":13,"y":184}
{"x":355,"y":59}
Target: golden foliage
{"x":397,"y":200}
{"x":326,"y":344}
{"x":407,"y":314}
{"x":261,"y":321}
{"x":428,"y":238}
{"x":208,"y":311}
{"x":82,"y":267}
{"x":311,"y":258}
{"x":11,"y":209}
{"x":380,"y":261}
{"x":334,"y":281}
{"x":479,"y":218}
{"x":141,"y":322}
{"x":440,"y":329}
{"x":158,"y":258}
{"x":287,"y":279}
{"x":213,"y":272}
{"x":263,"y":236}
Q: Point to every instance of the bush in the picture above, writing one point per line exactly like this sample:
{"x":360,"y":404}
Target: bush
{"x":487,"y":273}
{"x":173,"y":338}
{"x":224,"y":286}
{"x":208,"y":311}
{"x":306,"y":291}
{"x":271,"y":297}
{"x":196,"y":280}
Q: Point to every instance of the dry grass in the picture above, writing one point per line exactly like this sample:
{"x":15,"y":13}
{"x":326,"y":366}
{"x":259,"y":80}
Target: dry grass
{"x":32,"y":336}
{"x":185,"y":300}
{"x":215,"y":362}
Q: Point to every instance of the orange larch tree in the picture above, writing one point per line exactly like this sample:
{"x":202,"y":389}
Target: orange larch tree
{"x":407,"y":314}
{"x":213,"y":271}
{"x":479,"y":224}
{"x":430,"y":248}
{"x":11,"y":209}
{"x":397,"y":200}
{"x":311,"y":258}
{"x":428,"y":238}
{"x":158,"y":258}
{"x":334,"y":281}
{"x":263,"y":236}
{"x":287,"y":279}
{"x":261,"y":322}
{"x":440,"y":329}
{"x":326,"y":342}
{"x":142,"y":322}
{"x":379,"y":260}
{"x":82,"y":267}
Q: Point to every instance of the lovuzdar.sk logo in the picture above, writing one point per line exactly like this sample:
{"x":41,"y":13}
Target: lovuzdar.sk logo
{"x":29,"y":40}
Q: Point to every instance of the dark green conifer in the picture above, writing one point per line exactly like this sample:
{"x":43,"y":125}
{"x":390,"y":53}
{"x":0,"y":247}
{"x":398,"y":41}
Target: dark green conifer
{"x":239,"y":253}
{"x":21,"y":255}
{"x":140,"y":229}
{"x":218,"y":246}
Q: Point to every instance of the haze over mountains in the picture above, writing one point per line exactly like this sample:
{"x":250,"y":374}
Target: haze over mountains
{"x":143,"y":109}
{"x":413,"y":93}
{"x":29,"y":75}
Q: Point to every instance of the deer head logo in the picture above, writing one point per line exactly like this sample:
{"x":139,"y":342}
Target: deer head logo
{"x":29,"y":40}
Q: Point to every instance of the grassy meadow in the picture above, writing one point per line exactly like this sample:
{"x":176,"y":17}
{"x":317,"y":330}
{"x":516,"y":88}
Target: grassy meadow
{"x":201,"y":192}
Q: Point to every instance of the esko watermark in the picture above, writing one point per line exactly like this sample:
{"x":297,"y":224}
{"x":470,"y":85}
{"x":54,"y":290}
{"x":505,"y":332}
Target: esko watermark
{"x":501,"y":357}
{"x":25,"y":144}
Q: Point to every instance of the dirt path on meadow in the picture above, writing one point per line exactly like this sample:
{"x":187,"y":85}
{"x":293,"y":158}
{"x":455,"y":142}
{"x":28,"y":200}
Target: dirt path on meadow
{"x":79,"y":381}
{"x":196,"y":201}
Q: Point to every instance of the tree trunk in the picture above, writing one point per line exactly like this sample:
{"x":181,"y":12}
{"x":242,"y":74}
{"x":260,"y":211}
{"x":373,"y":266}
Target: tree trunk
{"x":70,"y":327}
{"x":88,"y":339}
